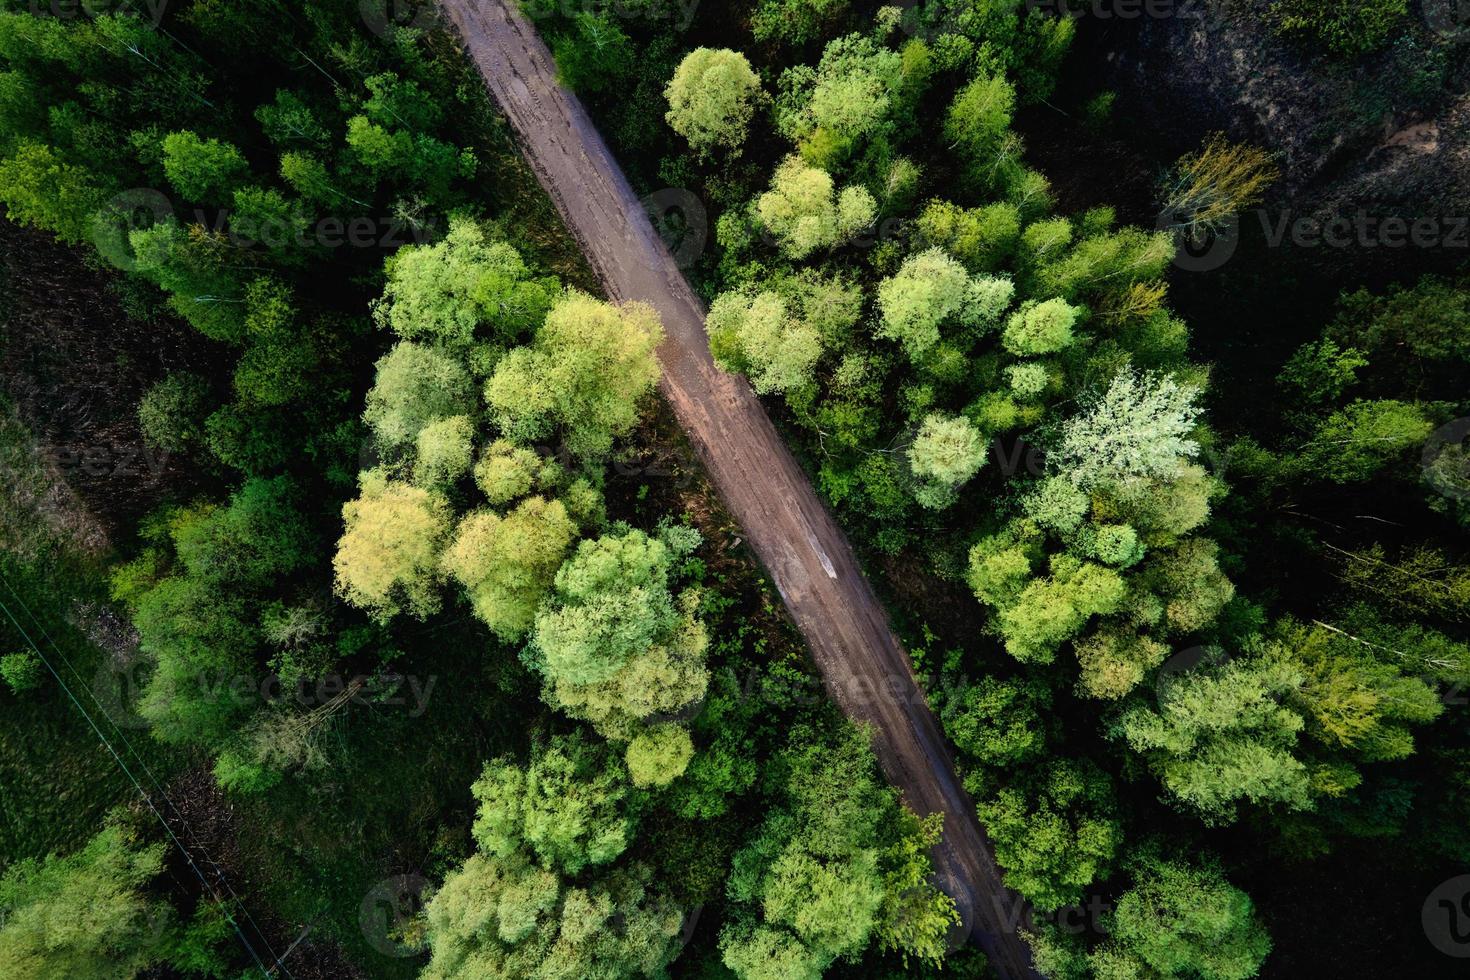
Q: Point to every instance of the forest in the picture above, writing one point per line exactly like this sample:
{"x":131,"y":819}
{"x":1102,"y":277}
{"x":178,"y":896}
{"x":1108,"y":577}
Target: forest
{"x":368,"y":612}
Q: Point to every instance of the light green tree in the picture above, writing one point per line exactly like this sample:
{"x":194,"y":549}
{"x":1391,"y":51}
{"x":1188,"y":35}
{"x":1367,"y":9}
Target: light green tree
{"x":568,"y":807}
{"x":1178,"y":920}
{"x":1056,"y":835}
{"x":831,"y":869}
{"x":506,"y":471}
{"x":760,"y":952}
{"x":1160,"y":511}
{"x":444,"y":451}
{"x":847,"y":99}
{"x":42,"y":189}
{"x":1139,"y":429}
{"x":946,"y":453}
{"x":978,"y":122}
{"x":758,"y":336}
{"x":659,"y":756}
{"x":509,"y":918}
{"x":1356,"y":442}
{"x":506,"y":563}
{"x":84,"y":916}
{"x":1222,"y":736}
{"x":1001,"y":564}
{"x":1188,"y":579}
{"x":1040,"y":328}
{"x":1049,"y":611}
{"x":982,"y":238}
{"x":712,"y":97}
{"x":204,"y":170}
{"x":1362,"y":692}
{"x":928,"y":290}
{"x":1056,"y":505}
{"x":618,"y":650}
{"x":806,"y":214}
{"x":415,"y":386}
{"x":514,"y":911}
{"x":447,"y":291}
{"x":587,"y":374}
{"x":1029,"y":380}
{"x":612,"y":601}
{"x":387,"y":560}
{"x":650,"y":685}
{"x":1115,"y":660}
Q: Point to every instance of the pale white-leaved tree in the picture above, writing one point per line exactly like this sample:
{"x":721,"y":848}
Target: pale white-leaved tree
{"x":1139,"y":429}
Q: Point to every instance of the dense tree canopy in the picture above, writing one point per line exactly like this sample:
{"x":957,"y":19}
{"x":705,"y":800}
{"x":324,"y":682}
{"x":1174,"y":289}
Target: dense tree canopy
{"x":1205,"y":649}
{"x":827,"y":870}
{"x":584,"y":376}
{"x":805,"y":212}
{"x":89,"y":915}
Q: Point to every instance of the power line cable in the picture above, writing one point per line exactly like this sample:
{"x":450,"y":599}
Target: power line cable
{"x":117,"y":757}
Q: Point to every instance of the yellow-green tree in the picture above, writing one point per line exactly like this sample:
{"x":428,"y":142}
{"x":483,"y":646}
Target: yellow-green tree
{"x":506,"y":563}
{"x":712,"y":97}
{"x":387,"y":560}
{"x":585,"y":376}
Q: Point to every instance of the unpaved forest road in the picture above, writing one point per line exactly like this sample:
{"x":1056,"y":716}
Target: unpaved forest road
{"x":866,"y":670}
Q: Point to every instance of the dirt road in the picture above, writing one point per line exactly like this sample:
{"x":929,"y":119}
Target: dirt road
{"x":813,"y":566}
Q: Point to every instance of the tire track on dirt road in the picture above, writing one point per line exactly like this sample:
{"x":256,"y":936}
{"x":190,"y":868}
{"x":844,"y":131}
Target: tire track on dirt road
{"x":863,"y":665}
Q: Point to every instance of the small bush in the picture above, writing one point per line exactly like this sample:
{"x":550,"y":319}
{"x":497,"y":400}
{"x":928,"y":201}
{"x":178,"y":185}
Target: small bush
{"x":171,"y":413}
{"x":21,"y":671}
